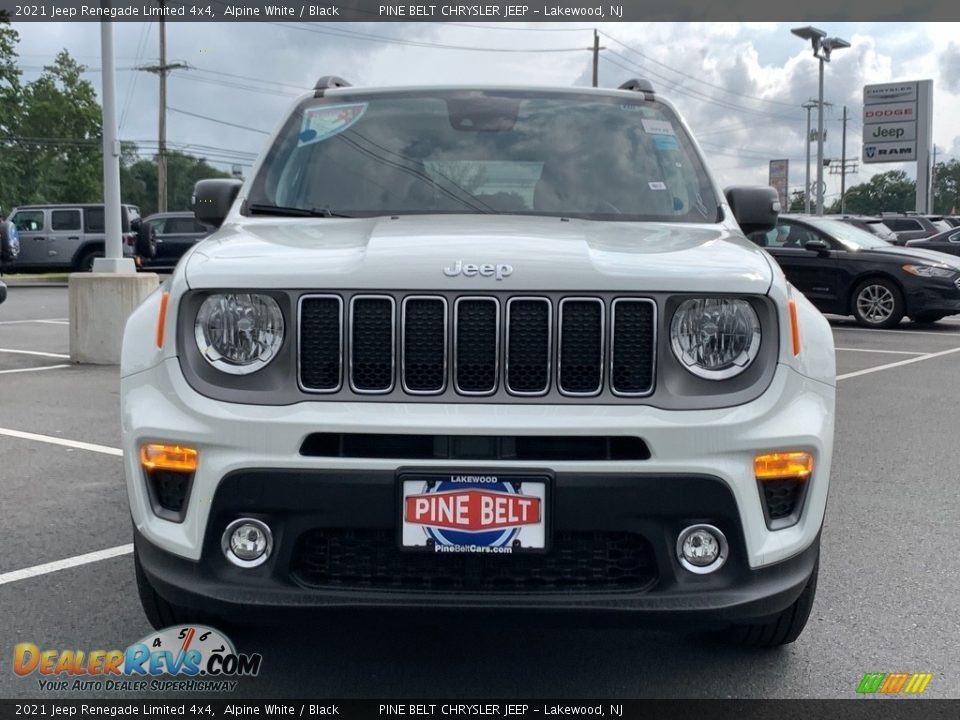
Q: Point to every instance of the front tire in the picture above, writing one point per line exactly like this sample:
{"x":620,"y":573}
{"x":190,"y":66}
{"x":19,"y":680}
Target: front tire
{"x":877,"y":303}
{"x":159,"y":612}
{"x":783,"y":628}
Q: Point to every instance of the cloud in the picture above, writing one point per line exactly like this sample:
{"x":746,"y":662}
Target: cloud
{"x":950,"y":68}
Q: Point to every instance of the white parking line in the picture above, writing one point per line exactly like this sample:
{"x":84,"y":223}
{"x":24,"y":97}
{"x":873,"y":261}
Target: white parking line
{"x":36,"y":369}
{"x":57,"y":565}
{"x":883,"y":352}
{"x":76,"y":444}
{"x":53,"y":321}
{"x":899,"y":363}
{"x":872,"y":331}
{"x":35,"y":352}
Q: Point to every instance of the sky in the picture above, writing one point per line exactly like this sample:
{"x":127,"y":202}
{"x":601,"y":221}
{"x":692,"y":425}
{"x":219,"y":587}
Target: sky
{"x":740,"y":86}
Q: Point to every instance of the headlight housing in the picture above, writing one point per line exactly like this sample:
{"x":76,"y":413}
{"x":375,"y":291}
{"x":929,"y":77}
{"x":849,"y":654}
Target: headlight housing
{"x":929,"y":271}
{"x":239,"y":333}
{"x":715,"y":338}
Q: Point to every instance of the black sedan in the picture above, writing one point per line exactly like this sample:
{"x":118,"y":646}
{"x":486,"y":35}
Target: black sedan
{"x":847,"y":271}
{"x":946,"y":242}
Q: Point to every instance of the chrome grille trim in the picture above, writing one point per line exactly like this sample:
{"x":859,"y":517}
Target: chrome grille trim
{"x":550,"y":350}
{"x":319,"y":296}
{"x":613,"y":349}
{"x":602,"y":348}
{"x":403,"y":343}
{"x":456,"y":343}
{"x":393,"y":342}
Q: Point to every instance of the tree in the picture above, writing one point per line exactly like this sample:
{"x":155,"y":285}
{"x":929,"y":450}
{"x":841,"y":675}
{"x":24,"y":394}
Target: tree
{"x":946,"y":188}
{"x":797,"y":202}
{"x":891,"y":191}
{"x":60,"y":134}
{"x":9,"y":111}
{"x":138,"y":180}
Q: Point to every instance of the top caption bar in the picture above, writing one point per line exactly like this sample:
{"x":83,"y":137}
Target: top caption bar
{"x":549,"y":11}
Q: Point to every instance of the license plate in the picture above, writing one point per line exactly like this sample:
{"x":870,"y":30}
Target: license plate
{"x":473,"y":513}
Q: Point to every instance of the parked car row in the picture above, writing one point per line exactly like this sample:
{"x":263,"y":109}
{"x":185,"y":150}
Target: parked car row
{"x":845,"y":270}
{"x":903,"y":226}
{"x":71,"y":237}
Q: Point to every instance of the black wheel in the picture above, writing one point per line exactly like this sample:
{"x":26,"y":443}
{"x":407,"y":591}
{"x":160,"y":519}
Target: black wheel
{"x":146,"y":245}
{"x":159,"y":612}
{"x":85,"y":264}
{"x":780,"y":629}
{"x":927,"y":318}
{"x":877,"y":303}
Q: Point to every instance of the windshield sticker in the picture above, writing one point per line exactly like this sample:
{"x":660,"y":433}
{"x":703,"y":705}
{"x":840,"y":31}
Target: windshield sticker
{"x":325,"y":121}
{"x":657,"y":186}
{"x":665,"y":142}
{"x":658,"y":127}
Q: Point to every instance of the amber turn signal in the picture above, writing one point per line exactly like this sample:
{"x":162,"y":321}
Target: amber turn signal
{"x":156,"y":456}
{"x":779,"y":466}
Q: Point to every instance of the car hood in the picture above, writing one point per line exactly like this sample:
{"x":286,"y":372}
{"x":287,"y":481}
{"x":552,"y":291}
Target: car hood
{"x":411,"y":252}
{"x":915,"y":254}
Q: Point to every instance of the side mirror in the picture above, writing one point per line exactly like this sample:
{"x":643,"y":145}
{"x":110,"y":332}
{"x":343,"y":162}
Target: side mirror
{"x":818,"y":245}
{"x":755,"y":209}
{"x":212,"y":199}
{"x":3,"y":292}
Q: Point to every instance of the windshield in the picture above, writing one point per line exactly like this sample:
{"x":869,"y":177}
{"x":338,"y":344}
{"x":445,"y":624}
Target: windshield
{"x":853,"y":238}
{"x":515,"y":152}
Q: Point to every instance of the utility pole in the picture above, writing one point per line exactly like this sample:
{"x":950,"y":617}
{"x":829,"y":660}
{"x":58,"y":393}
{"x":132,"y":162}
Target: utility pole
{"x":933,"y":183}
{"x":596,"y":56}
{"x":162,"y":70}
{"x":843,"y":164}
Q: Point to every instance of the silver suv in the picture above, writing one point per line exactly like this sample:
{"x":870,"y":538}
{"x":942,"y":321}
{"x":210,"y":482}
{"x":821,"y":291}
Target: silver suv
{"x":67,"y":236}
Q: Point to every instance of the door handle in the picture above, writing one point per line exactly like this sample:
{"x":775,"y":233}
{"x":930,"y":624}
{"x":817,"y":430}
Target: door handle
{"x":73,"y":237}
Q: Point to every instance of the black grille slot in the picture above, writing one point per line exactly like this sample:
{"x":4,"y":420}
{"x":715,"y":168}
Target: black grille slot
{"x":528,"y":346}
{"x":169,"y":492}
{"x":632,"y":349}
{"x":320,"y":338}
{"x":781,"y":497}
{"x":538,"y":448}
{"x":371,"y":344}
{"x":577,"y":561}
{"x":477,"y":339}
{"x":581,"y":346}
{"x":424,"y":345}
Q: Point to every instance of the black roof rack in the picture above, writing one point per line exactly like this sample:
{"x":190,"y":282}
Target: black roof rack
{"x":637,"y":85}
{"x":327,"y":82}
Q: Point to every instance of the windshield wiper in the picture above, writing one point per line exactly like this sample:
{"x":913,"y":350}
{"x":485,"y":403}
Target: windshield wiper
{"x":263,"y":209}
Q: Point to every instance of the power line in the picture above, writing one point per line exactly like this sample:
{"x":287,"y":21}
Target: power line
{"x":217,"y":120}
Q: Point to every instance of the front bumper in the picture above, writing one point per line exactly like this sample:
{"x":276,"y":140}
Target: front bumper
{"x":297,"y":504}
{"x":926,"y":295}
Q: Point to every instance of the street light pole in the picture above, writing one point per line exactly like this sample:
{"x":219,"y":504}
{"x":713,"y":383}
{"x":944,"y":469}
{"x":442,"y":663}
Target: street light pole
{"x":820,"y":144}
{"x":822,"y":47}
{"x":806,"y":188}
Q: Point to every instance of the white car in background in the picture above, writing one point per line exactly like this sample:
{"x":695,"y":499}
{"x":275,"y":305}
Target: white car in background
{"x":480,"y":347}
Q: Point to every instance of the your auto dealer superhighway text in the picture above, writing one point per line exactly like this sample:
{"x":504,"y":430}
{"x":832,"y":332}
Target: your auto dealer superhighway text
{"x":495,"y":709}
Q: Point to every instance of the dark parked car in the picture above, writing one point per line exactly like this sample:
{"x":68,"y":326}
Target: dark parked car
{"x":176,"y":232}
{"x":847,"y":271}
{"x":3,"y":291}
{"x":910,"y":227}
{"x":869,"y":223}
{"x":954,"y":220}
{"x":945,"y":242}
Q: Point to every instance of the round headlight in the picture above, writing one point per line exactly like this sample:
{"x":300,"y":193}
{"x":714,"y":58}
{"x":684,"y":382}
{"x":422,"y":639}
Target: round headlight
{"x":239,"y":333}
{"x":715,"y":338}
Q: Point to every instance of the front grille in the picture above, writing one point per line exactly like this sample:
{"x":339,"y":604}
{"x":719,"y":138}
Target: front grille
{"x":476,"y":347}
{"x":370,"y":559}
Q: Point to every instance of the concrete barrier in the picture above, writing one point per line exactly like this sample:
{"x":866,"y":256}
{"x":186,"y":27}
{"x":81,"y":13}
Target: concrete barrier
{"x":100,"y":304}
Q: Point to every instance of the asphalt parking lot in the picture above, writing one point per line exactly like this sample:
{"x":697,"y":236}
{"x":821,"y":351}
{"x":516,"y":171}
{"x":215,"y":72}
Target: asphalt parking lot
{"x":887,"y":598}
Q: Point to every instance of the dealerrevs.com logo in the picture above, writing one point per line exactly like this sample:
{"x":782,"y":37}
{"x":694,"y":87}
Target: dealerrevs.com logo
{"x":191,"y":658}
{"x":894,"y":683}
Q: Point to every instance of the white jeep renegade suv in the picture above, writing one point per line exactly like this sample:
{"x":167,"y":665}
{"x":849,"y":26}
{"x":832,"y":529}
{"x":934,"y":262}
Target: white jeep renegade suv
{"x":480,"y":347}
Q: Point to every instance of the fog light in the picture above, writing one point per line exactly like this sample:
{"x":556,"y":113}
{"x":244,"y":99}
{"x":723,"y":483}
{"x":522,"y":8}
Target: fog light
{"x":247,"y":542}
{"x":702,"y":549}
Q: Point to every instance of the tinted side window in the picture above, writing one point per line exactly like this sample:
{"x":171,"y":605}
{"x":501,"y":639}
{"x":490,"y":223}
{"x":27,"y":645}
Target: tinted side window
{"x":905,"y":224}
{"x":28,"y":220}
{"x":180,"y":225}
{"x":93,"y":220}
{"x":65,"y":220}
